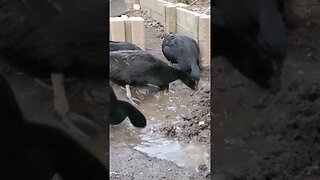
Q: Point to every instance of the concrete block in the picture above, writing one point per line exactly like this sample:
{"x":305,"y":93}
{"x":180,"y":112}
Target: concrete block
{"x":128,"y":29}
{"x":171,"y":16}
{"x":205,"y":60}
{"x":117,"y":29}
{"x":159,"y":6}
{"x":154,"y":5}
{"x":182,"y":30}
{"x":204,"y":46}
{"x":170,"y":27}
{"x":181,"y":5}
{"x":205,"y":52}
{"x":137,"y":30}
{"x":156,"y":9}
{"x":189,"y":21}
{"x":204,"y":28}
{"x":171,"y":13}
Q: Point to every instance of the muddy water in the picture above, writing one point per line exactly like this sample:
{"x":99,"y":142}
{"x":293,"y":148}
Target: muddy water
{"x":161,"y":109}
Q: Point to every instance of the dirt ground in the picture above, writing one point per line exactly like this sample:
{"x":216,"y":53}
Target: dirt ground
{"x":127,"y":163}
{"x":194,"y":125}
{"x":281,"y":139}
{"x":122,"y":164}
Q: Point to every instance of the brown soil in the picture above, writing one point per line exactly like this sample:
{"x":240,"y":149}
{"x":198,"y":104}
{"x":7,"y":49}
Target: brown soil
{"x":195,"y":125}
{"x":281,"y":139}
{"x":124,"y":166}
{"x":186,"y":130}
{"x":127,"y":163}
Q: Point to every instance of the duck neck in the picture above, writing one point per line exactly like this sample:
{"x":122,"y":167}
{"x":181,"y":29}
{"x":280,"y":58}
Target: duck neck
{"x":181,"y":75}
{"x":195,"y":71}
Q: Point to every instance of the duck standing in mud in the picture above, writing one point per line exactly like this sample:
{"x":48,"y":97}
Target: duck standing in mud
{"x":140,"y":68}
{"x":183,"y":50}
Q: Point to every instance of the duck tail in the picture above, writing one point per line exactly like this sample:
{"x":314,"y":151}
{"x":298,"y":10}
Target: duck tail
{"x":136,"y":117}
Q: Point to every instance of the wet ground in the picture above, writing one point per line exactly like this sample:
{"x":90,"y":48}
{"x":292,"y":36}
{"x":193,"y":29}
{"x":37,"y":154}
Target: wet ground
{"x":281,"y":138}
{"x":177,"y":134}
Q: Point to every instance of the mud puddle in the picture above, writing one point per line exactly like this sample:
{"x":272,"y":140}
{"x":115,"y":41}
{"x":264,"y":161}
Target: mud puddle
{"x":160,"y":109}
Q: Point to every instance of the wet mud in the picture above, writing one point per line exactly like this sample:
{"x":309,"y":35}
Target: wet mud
{"x":273,"y":139}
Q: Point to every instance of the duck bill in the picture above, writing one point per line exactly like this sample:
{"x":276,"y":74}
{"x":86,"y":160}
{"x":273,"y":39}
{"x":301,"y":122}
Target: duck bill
{"x":196,"y":86}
